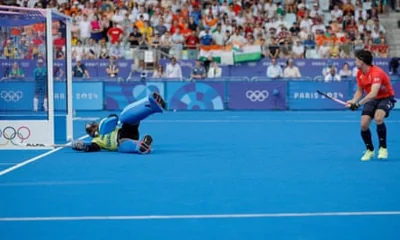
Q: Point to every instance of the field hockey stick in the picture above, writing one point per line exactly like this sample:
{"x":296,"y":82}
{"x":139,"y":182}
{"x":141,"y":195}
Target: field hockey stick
{"x":40,"y":145}
{"x":331,"y":98}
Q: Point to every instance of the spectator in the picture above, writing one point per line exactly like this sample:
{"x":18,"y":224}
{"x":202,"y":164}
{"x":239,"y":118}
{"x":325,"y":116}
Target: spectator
{"x":134,"y":38}
{"x":198,"y":72}
{"x":104,"y":52}
{"x":218,"y":36}
{"x":326,"y":70}
{"x":160,"y":27}
{"x":173,"y":70}
{"x":115,"y":33}
{"x":78,"y":51}
{"x":116,"y":51}
{"x":178,"y":40}
{"x":324,"y":50}
{"x":206,"y":37}
{"x":332,"y":75}
{"x":346,"y":49}
{"x":96,"y":29}
{"x":166,"y":43}
{"x":112,"y":69}
{"x":10,"y":52}
{"x":59,"y":41}
{"x":316,"y":11}
{"x":291,"y":71}
{"x":159,"y":72}
{"x":274,"y":70}
{"x":273,"y":49}
{"x":345,"y":72}
{"x":84,"y":29}
{"x":80,"y":70}
{"x":192,"y":41}
{"x":91,"y":50}
{"x":214,"y":71}
{"x":298,"y":49}
{"x":286,"y":50}
{"x":16,"y":71}
{"x":382,"y":49}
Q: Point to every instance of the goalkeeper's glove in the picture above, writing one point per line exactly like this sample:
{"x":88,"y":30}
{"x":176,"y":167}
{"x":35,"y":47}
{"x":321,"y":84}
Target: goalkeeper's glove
{"x":354,"y":106}
{"x":79,"y":145}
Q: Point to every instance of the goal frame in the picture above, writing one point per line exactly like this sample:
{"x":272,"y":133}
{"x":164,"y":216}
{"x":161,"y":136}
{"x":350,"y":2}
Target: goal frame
{"x":49,"y":124}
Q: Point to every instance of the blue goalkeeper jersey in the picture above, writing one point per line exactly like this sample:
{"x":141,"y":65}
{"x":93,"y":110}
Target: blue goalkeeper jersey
{"x":40,"y":75}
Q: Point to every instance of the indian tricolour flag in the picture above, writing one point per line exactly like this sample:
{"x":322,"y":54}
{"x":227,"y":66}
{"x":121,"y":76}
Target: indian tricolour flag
{"x":231,"y":54}
{"x":246,"y":53}
{"x":215,"y":51}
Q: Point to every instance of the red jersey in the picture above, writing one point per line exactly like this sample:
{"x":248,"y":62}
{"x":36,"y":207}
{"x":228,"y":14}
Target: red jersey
{"x":373,"y":76}
{"x":115,"y":34}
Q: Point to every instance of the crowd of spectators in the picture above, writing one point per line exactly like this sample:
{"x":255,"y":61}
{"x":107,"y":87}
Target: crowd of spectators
{"x":122,"y":29}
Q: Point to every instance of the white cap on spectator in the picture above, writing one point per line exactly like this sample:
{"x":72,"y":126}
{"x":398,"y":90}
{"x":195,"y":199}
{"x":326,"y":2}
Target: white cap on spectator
{"x":78,"y":58}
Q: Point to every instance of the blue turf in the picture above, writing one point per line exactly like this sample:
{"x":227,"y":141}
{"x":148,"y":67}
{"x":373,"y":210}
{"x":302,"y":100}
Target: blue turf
{"x":214,"y":163}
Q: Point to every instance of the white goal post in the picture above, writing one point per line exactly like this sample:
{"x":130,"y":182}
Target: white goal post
{"x":26,"y":131}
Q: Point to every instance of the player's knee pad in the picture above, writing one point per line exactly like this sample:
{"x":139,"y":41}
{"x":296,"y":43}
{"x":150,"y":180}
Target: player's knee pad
{"x":142,"y":146}
{"x":139,"y":110}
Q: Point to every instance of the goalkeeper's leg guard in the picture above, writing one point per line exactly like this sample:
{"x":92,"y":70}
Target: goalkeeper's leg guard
{"x":137,"y":111}
{"x":142,"y":146}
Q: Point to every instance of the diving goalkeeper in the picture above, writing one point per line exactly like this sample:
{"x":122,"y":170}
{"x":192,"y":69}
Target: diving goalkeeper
{"x":121,"y":133}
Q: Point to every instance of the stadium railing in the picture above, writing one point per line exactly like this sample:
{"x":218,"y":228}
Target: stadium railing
{"x":193,"y":95}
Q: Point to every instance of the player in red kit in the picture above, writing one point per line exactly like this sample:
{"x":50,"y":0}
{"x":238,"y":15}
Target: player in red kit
{"x":377,"y":102}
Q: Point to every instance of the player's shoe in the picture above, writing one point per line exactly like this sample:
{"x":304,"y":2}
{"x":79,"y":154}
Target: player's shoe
{"x":159,"y":99}
{"x":368,"y":155}
{"x":145,"y":144}
{"x":383,"y":153}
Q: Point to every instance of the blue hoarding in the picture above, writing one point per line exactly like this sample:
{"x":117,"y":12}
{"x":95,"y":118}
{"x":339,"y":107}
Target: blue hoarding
{"x":303,"y":95}
{"x":179,"y":95}
{"x":119,"y":95}
{"x":196,"y":95}
{"x":16,"y":96}
{"x":85,"y":96}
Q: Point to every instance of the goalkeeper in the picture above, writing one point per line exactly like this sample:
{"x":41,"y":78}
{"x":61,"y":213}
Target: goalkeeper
{"x":121,"y":133}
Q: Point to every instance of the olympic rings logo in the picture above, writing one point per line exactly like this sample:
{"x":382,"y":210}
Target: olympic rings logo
{"x":10,"y":134}
{"x":11,"y":96}
{"x":257,"y":95}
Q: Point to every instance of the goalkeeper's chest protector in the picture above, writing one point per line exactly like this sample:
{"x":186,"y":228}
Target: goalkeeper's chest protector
{"x":108,"y":141}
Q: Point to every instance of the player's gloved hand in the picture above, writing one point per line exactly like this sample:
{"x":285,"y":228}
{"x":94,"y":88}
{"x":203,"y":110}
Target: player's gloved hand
{"x":354,"y":106}
{"x":79,"y":145}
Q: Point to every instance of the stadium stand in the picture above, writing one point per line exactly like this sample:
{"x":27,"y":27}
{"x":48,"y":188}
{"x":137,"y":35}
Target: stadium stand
{"x":147,"y":31}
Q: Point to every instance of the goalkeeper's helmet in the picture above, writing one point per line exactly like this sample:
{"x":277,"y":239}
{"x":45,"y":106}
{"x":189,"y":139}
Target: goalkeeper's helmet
{"x":92,"y":129}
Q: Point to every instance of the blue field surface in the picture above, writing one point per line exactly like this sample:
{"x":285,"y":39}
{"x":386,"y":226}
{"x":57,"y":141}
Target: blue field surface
{"x":212,"y":175}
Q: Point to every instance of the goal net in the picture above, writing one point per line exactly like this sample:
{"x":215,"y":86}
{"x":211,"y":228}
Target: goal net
{"x":36,"y":82}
